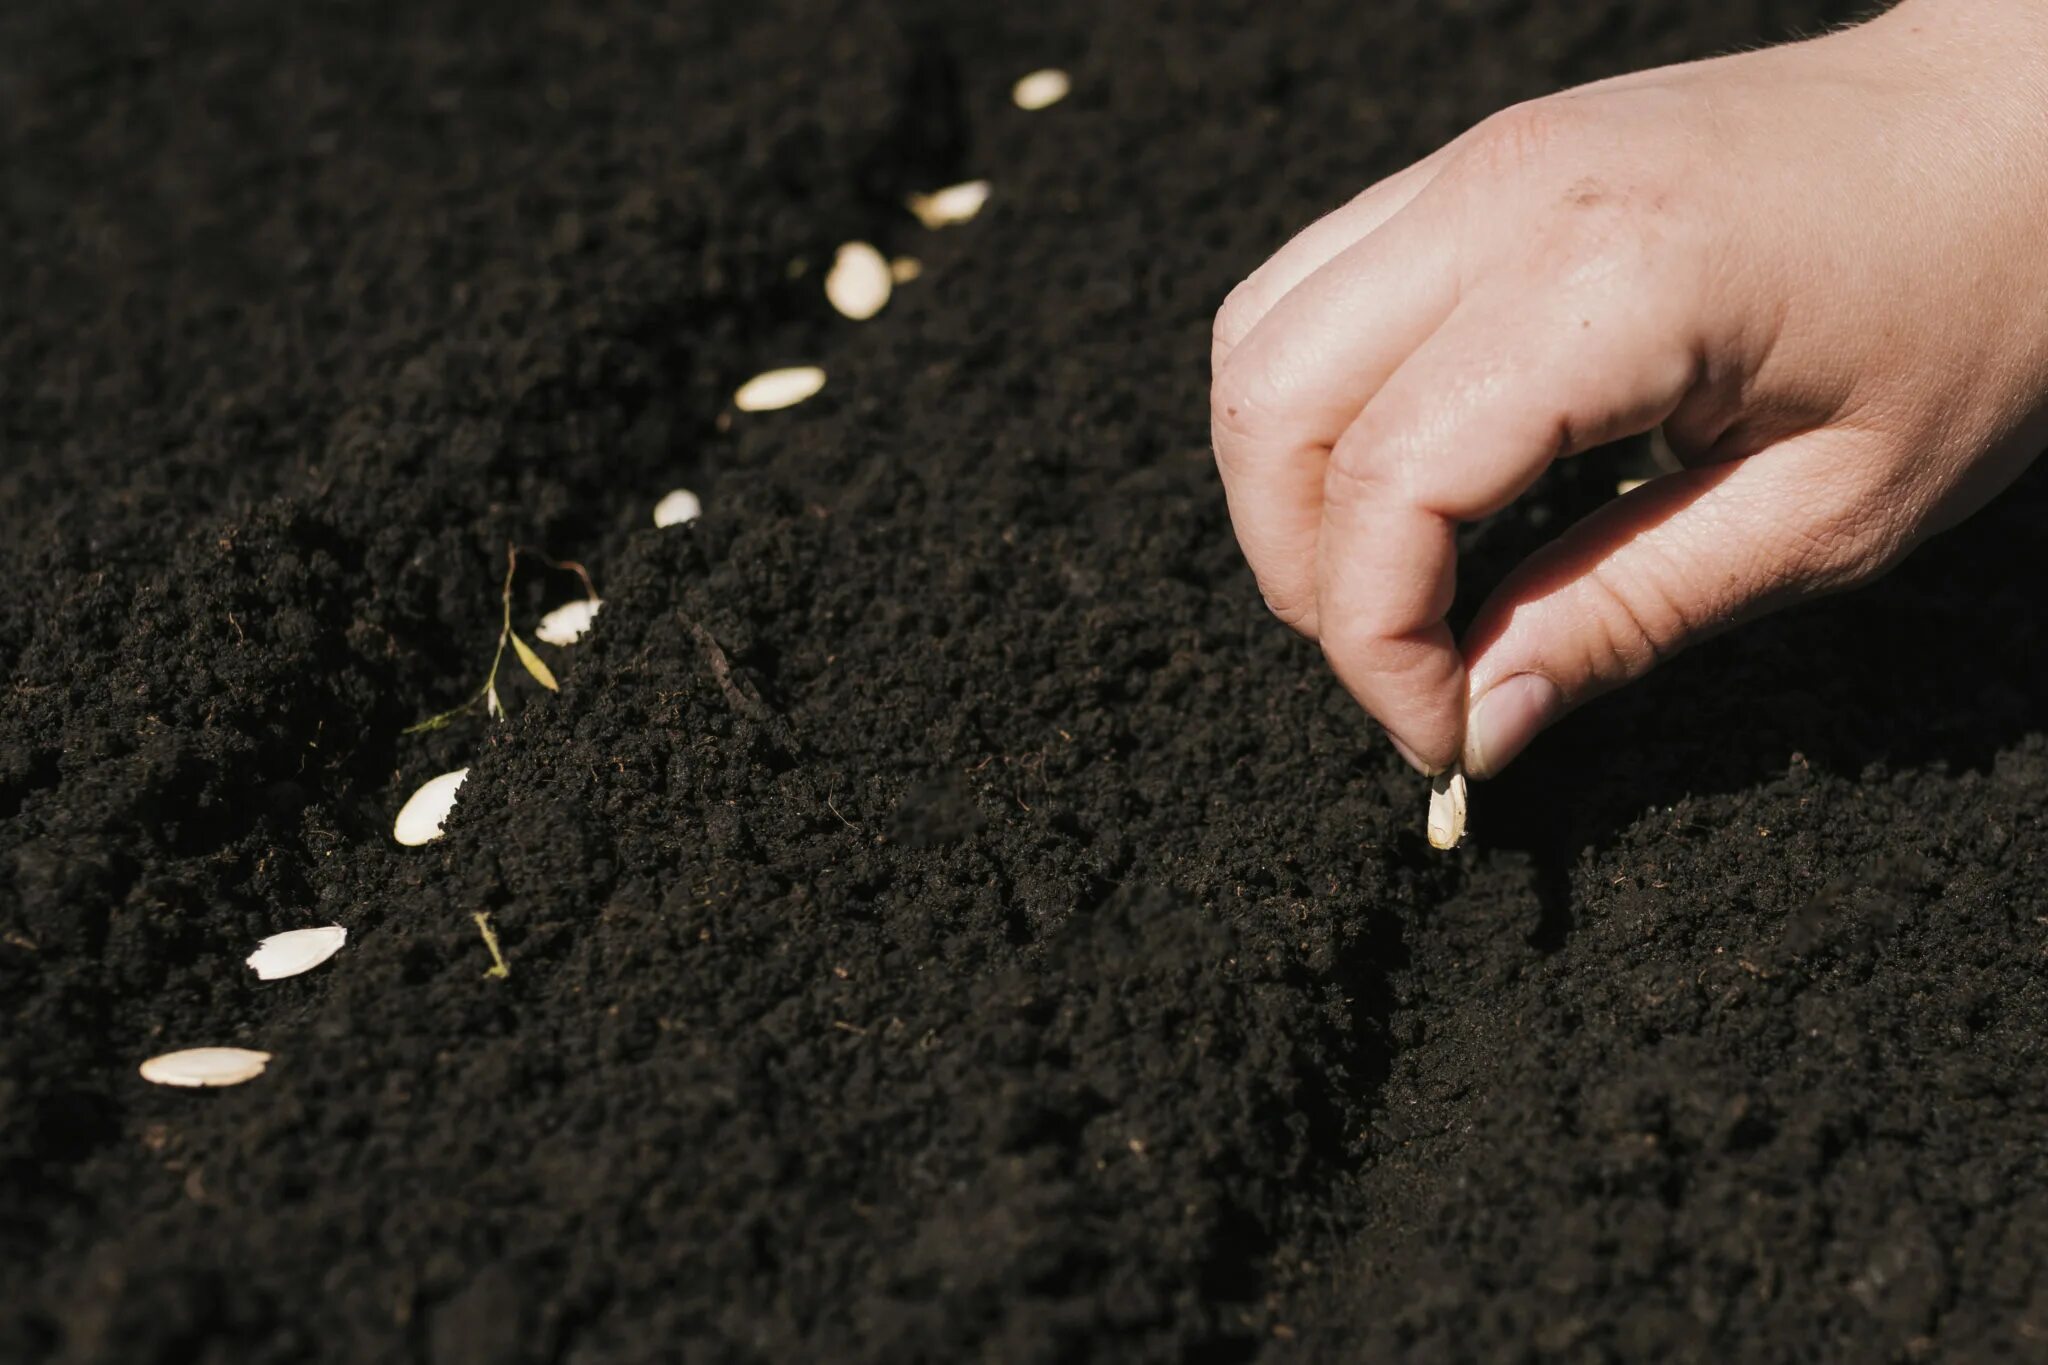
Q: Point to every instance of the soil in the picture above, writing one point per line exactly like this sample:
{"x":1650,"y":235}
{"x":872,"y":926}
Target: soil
{"x":1016,"y":948}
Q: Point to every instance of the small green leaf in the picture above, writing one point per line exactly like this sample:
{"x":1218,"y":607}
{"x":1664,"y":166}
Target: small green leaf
{"x":533,"y":664}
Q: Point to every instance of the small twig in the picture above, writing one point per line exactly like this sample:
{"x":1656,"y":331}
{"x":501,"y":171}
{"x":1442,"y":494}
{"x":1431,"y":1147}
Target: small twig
{"x":499,"y":969}
{"x":530,"y":661}
{"x":739,"y":698}
{"x":565,"y":566}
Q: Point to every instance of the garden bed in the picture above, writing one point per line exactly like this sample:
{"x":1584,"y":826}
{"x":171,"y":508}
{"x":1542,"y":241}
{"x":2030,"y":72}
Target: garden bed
{"x":944,"y":916}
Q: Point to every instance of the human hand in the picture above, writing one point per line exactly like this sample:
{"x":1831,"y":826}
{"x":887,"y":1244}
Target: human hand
{"x":1822,"y":267}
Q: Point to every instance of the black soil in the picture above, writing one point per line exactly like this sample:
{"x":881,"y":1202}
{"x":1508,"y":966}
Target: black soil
{"x":947,"y":918}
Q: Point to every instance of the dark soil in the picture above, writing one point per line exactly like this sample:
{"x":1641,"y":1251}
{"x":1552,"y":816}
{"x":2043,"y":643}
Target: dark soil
{"x":1028,"y":954}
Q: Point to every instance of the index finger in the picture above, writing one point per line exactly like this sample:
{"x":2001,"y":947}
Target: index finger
{"x":1299,"y":378}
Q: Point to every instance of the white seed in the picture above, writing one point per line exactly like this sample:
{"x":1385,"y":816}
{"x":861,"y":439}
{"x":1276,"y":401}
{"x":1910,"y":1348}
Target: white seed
{"x":904,"y":269}
{"x":1447,"y":808}
{"x":296,"y":951}
{"x":953,"y":204}
{"x":779,"y":389}
{"x":859,"y":282}
{"x":568,"y":623}
{"x":419,"y":820}
{"x":1661,"y":454}
{"x":677,"y":508}
{"x":1622,"y":486}
{"x":208,"y":1066}
{"x":1041,"y":89}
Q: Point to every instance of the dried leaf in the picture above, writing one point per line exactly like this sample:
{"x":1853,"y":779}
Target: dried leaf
{"x":539,"y":670}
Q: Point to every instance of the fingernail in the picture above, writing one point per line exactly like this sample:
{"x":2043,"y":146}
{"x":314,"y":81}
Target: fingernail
{"x":1513,"y":712}
{"x":1407,"y":753}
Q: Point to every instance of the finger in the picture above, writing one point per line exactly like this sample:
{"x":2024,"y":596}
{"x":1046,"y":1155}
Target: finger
{"x":1314,"y":247}
{"x":1679,"y":559}
{"x":1288,"y":391}
{"x":1463,"y":427}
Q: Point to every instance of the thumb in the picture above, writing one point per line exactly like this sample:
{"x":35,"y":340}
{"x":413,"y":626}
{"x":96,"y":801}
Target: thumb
{"x":1675,"y":561}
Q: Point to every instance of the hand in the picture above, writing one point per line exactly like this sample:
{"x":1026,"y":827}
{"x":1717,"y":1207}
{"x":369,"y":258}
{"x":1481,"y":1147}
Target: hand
{"x":1823,"y":267}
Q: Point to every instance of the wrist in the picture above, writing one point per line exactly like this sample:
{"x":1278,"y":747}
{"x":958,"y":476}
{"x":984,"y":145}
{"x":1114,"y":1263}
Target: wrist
{"x":1978,"y":70}
{"x":2009,"y":34}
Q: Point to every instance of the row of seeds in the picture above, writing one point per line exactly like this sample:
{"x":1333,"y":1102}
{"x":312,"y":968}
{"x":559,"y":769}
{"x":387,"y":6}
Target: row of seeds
{"x":858,"y":286}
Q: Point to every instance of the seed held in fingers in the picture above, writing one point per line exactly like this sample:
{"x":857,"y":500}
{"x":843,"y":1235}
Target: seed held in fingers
{"x":1041,"y":89}
{"x":296,"y":951}
{"x":205,"y":1066}
{"x":675,"y":509}
{"x":1447,"y":808}
{"x":775,"y":389}
{"x":953,"y":204}
{"x":1661,"y":454}
{"x":859,"y":282}
{"x":420,"y":819}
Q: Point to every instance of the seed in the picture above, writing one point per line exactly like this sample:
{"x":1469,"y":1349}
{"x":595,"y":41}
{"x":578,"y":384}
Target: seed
{"x":953,"y":204}
{"x":568,"y":623}
{"x":904,"y":269}
{"x":205,"y":1066}
{"x":1041,"y":89}
{"x":299,"y":950}
{"x":419,"y":820}
{"x":1622,"y":486}
{"x":779,"y":388}
{"x":1661,"y":454}
{"x":677,"y":508}
{"x":859,"y":281}
{"x":1447,"y":808}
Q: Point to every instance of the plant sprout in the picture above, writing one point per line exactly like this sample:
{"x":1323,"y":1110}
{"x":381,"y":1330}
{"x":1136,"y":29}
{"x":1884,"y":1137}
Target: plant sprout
{"x":499,"y":970}
{"x":487,"y":695}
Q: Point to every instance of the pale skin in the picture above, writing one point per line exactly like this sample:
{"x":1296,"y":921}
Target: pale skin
{"x":1822,"y":268}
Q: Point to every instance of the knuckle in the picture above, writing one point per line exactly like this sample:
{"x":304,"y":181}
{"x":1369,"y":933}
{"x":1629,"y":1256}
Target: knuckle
{"x":1523,"y":135}
{"x":1639,"y":622}
{"x":1349,"y":480}
{"x":1841,"y":544}
{"x":1233,"y":320}
{"x":1236,"y":400}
